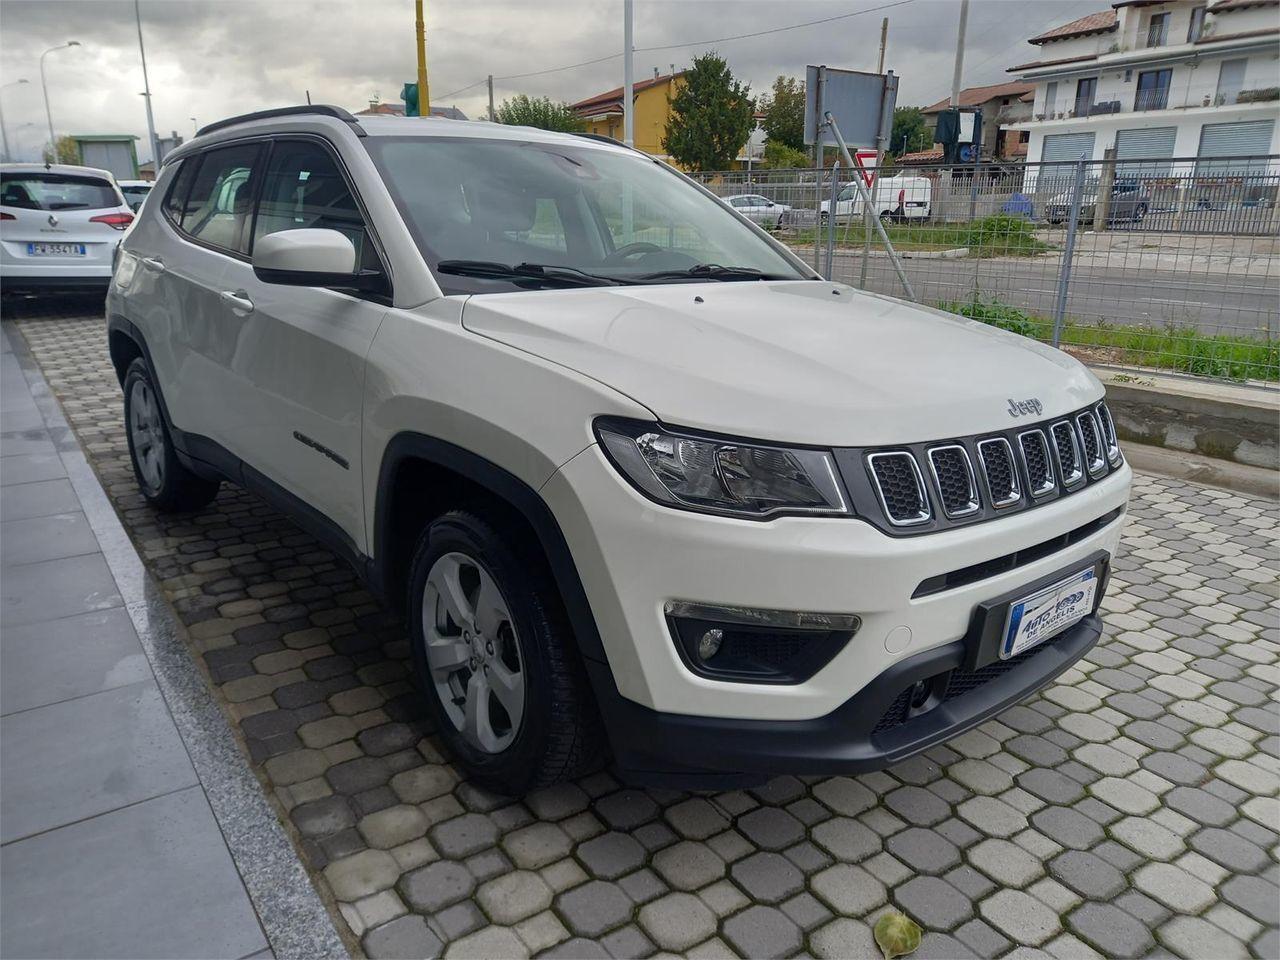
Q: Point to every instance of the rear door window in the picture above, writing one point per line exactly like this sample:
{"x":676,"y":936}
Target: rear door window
{"x":56,"y":191}
{"x":219,"y":208}
{"x":175,"y":201}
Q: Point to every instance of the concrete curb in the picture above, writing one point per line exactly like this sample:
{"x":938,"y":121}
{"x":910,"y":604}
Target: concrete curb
{"x":1234,"y":423}
{"x":1223,"y":474}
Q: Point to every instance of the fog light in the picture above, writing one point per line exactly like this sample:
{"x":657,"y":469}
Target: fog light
{"x":709,"y":644}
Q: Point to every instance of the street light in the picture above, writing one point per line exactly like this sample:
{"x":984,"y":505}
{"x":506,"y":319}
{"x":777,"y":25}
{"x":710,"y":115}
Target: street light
{"x":4,"y":134}
{"x":44,"y":85}
{"x":195,"y":125}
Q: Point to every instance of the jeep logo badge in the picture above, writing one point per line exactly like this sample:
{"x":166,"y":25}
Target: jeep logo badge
{"x":1020,"y":408}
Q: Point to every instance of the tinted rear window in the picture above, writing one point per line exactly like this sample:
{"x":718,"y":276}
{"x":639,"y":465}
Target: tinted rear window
{"x":56,"y":191}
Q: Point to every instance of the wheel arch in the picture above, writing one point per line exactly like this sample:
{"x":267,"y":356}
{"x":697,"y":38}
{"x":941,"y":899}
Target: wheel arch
{"x":421,"y":477}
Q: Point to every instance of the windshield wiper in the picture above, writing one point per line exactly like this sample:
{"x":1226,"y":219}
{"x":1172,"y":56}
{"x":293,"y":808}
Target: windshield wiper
{"x":549,"y":272}
{"x":712,"y":271}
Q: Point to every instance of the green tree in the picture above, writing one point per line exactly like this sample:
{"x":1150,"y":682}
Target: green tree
{"x":783,"y":109}
{"x":912,"y":131}
{"x":711,"y":117}
{"x":778,"y":156}
{"x":541,"y":112}
{"x":68,"y":151}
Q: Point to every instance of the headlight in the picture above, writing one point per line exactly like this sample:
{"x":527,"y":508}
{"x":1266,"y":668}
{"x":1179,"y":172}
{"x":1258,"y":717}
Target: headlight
{"x":722,"y":476}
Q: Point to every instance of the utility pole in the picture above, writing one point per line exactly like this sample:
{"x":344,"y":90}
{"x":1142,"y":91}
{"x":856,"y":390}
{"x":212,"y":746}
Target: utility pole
{"x":4,"y":133}
{"x":44,"y":86}
{"x":146,"y":93}
{"x":628,"y":75}
{"x":493,"y":117}
{"x":424,"y":94}
{"x":955,"y":77}
{"x":884,"y":39}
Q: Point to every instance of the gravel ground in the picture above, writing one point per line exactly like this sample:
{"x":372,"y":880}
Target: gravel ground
{"x":1129,"y":810}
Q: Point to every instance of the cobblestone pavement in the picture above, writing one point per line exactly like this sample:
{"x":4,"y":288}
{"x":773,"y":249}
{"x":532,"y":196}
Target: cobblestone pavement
{"x":1129,"y":810}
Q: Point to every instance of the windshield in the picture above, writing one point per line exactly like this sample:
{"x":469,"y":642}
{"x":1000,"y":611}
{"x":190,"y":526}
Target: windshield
{"x":611,"y":214}
{"x":56,"y":191}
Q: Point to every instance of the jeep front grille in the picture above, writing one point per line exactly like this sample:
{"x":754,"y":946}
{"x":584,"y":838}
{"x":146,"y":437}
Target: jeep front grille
{"x":1066,"y":450}
{"x":1000,"y":472}
{"x":901,"y":488}
{"x":922,"y":487}
{"x":1094,"y":460}
{"x":1035,"y":457}
{"x":953,"y":477}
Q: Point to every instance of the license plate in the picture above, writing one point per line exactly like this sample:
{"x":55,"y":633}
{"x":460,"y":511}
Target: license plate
{"x":55,"y":249}
{"x":1046,"y":613}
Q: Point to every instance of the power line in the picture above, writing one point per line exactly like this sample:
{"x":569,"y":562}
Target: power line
{"x":693,"y":43}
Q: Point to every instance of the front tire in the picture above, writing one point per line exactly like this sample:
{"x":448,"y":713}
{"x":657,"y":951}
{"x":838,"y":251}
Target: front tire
{"x":165,"y":483}
{"x":494,"y":654}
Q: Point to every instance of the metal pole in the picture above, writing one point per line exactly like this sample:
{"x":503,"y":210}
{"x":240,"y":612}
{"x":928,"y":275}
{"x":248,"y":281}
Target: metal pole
{"x":628,"y":75}
{"x":44,"y":85}
{"x":493,"y":117}
{"x":1064,"y":273}
{"x":424,"y":92}
{"x":817,"y":165}
{"x":884,"y":38}
{"x":146,"y":93}
{"x":866,"y":198}
{"x":831,"y":216}
{"x":4,"y":133}
{"x":959,"y":67}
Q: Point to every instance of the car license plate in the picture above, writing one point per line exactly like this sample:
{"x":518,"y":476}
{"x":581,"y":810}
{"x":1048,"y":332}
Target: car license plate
{"x":1048,"y":612}
{"x":55,"y":249}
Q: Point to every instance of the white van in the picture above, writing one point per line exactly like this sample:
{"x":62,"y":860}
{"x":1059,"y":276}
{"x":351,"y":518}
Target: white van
{"x":894,"y":198}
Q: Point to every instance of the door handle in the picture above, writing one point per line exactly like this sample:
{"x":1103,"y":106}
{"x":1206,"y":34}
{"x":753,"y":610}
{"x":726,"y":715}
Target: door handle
{"x":153,"y":263}
{"x":238,"y":300}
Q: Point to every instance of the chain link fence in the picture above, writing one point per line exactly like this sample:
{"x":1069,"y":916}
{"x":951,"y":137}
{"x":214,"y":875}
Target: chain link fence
{"x":1171,"y":264}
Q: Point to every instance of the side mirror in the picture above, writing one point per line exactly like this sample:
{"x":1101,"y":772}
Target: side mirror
{"x":306,"y":258}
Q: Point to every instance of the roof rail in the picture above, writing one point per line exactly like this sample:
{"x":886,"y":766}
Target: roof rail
{"x":603,"y":139}
{"x":317,"y":109}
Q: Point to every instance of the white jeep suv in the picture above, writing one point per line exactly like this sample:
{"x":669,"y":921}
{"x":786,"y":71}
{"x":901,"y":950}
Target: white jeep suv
{"x":643,"y":484}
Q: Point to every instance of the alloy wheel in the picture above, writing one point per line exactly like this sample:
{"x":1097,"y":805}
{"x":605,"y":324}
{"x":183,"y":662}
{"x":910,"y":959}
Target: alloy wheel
{"x":472,"y":652}
{"x":147,"y":433}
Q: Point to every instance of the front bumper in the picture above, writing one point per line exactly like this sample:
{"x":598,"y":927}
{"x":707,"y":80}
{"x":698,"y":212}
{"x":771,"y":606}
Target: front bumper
{"x":867,"y":732}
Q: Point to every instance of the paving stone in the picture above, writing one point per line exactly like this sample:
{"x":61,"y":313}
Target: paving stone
{"x":510,"y":898}
{"x":847,"y":889}
{"x":767,"y":877}
{"x":696,"y":819}
{"x":1194,"y":937}
{"x":576,"y":948}
{"x":642,"y":886}
{"x":436,"y":885}
{"x":846,"y":839}
{"x":982,"y":938}
{"x":1067,"y":826}
{"x":537,"y":845}
{"x":844,"y":795}
{"x":1254,"y":895}
{"x":1020,"y":917}
{"x":763,"y":932}
{"x":626,"y":942}
{"x":323,"y":817}
{"x":1230,"y":850}
{"x":458,"y":920}
{"x":362,"y":874}
{"x":771,"y":828}
{"x":626,"y":809}
{"x":1087,"y":874}
{"x":557,"y":802}
{"x":393,"y":826}
{"x":806,"y":911}
{"x":925,"y":850}
{"x":464,"y":835}
{"x":918,"y":806}
{"x":611,"y":855}
{"x":1005,"y":862}
{"x":595,"y":907}
{"x":688,"y":865}
{"x":844,"y":938}
{"x":1111,"y":930}
{"x":678,"y":921}
{"x":407,"y":936}
{"x":933,"y":903}
{"x":487,"y":943}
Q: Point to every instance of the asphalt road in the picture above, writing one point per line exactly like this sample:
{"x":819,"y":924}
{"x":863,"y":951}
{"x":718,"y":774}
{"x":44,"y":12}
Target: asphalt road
{"x":1211,"y":302}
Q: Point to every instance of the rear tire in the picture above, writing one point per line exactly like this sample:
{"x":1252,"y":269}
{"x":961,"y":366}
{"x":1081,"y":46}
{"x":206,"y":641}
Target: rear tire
{"x":493,"y":651}
{"x":165,"y":483}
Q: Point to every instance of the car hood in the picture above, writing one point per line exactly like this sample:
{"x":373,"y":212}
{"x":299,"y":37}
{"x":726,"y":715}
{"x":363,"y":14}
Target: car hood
{"x":796,"y":361}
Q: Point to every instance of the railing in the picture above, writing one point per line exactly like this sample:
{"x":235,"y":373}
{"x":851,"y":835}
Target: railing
{"x":1171,"y":264}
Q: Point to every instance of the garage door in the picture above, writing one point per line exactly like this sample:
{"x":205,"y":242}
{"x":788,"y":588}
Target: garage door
{"x":1249,"y":141}
{"x":1145,"y":153}
{"x":1058,"y":157}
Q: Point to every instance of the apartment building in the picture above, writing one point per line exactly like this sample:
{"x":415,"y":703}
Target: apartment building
{"x":1158,"y":81}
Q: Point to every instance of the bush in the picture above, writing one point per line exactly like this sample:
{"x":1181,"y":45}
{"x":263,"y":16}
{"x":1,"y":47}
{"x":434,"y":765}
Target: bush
{"x":1002,"y":233}
{"x":998,"y":314}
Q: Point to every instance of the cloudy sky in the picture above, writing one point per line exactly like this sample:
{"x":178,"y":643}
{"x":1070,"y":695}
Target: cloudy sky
{"x":210,"y":59}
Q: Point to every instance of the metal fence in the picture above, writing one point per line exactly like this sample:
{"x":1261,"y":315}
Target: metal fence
{"x":1172,"y":264}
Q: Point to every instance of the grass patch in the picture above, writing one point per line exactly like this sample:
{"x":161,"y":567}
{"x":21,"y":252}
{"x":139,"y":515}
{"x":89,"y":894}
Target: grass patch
{"x":997,"y":236}
{"x":1184,"y":349}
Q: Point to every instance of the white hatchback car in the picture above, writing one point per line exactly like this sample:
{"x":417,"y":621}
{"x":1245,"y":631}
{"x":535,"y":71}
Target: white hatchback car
{"x":768,"y":213}
{"x":642,"y":483}
{"x":59,"y":227}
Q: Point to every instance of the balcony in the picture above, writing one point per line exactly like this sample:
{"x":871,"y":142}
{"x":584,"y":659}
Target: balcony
{"x":1154,"y":99}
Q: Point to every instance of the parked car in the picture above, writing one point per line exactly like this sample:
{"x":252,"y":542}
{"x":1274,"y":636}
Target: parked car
{"x":676,"y":500}
{"x":1130,"y":201}
{"x":900,"y":199}
{"x":135,"y":191}
{"x":762,"y":210}
{"x":59,"y":226}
